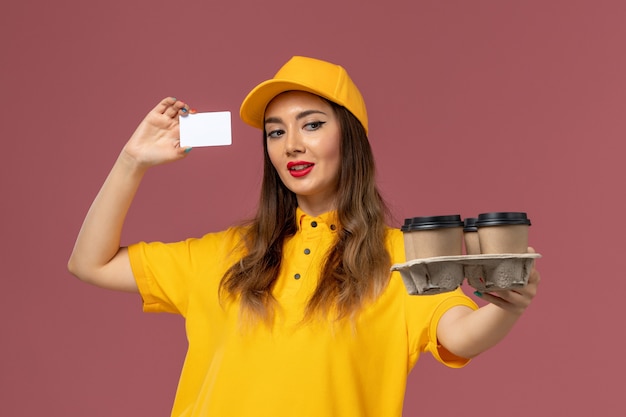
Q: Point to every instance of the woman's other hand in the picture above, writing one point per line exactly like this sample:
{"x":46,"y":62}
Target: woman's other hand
{"x":515,"y":301}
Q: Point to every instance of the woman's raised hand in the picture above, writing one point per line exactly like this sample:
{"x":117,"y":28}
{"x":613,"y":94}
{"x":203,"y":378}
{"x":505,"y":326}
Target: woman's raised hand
{"x":157,"y":138}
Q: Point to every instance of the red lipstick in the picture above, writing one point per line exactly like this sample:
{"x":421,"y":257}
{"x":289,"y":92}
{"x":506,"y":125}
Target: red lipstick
{"x":300,"y":168}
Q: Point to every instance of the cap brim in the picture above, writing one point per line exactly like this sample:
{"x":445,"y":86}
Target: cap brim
{"x":252,"y":110}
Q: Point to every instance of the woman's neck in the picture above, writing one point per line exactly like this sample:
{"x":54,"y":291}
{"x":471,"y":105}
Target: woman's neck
{"x":316,"y":206}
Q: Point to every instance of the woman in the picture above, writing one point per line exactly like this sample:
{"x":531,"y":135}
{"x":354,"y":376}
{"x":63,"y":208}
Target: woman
{"x":295,"y":313}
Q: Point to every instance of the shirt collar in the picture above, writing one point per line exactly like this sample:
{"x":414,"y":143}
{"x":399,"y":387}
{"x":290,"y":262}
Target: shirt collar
{"x":329,"y":218}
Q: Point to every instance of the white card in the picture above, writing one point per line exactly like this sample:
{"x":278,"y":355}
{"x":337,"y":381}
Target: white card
{"x":205,"y":129}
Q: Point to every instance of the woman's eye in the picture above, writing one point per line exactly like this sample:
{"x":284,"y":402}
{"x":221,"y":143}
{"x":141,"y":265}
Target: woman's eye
{"x":275,"y":134}
{"x":314,"y":125}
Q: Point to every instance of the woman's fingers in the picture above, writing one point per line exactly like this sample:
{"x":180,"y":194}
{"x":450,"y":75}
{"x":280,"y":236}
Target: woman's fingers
{"x":172,"y":107}
{"x":515,"y":300}
{"x":157,"y":138}
{"x":165,"y":104}
{"x":534,"y":277}
{"x":174,"y":110}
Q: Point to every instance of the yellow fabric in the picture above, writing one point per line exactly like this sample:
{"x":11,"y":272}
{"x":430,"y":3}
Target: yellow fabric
{"x":319,"y":369}
{"x":305,"y":74}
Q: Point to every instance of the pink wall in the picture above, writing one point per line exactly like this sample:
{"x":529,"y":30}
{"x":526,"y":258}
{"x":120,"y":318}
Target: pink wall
{"x":474,"y":106}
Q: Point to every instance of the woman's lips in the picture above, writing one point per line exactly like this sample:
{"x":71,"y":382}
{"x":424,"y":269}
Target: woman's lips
{"x":300,"y":168}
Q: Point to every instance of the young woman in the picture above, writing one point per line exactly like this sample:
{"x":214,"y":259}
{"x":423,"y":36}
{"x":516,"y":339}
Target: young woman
{"x":295,"y":312}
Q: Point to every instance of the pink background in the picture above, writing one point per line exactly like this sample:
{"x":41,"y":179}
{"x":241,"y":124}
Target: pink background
{"x":474,"y":106}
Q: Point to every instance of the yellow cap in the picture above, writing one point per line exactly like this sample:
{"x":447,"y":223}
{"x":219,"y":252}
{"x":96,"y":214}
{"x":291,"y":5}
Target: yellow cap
{"x":305,"y":74}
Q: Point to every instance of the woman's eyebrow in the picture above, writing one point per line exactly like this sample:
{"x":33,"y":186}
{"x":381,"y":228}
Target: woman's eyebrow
{"x":273,"y":120}
{"x":299,"y":116}
{"x":308,"y":112}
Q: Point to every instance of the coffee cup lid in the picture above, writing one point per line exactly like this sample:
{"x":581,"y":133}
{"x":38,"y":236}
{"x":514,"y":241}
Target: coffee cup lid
{"x":431,"y":222}
{"x":469,"y":224}
{"x":502,"y":218}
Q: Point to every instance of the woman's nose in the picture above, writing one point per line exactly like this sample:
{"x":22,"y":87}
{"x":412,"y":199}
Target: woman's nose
{"x":293,"y":143}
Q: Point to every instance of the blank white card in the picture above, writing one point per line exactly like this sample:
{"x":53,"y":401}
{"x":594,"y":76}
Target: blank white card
{"x":205,"y":129}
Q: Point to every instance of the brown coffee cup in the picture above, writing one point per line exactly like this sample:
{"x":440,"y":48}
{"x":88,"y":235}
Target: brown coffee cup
{"x":503,"y":232}
{"x":432,"y":236}
{"x":470,"y":236}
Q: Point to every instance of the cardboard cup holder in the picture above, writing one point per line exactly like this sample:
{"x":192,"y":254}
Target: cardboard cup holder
{"x":487,"y":272}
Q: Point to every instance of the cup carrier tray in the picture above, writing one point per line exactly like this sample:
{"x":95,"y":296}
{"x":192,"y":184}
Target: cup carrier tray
{"x":490,"y":272}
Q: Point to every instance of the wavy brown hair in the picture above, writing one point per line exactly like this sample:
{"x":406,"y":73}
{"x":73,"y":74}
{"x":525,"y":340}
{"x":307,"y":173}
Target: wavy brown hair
{"x":356,"y":268}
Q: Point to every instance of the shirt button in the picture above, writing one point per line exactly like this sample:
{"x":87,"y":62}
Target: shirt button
{"x":314,"y":224}
{"x":333,"y":227}
{"x":307,"y":251}
{"x":297,"y":276}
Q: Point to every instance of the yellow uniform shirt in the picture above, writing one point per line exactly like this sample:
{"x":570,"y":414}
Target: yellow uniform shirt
{"x":318,"y":369}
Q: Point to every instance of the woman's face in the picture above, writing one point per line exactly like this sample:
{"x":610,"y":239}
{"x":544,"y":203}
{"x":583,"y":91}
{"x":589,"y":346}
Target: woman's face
{"x":303,"y":142}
